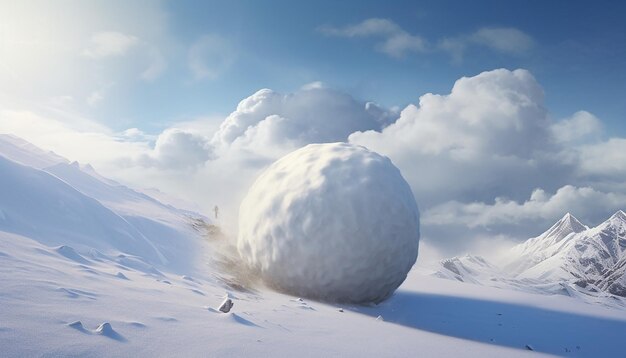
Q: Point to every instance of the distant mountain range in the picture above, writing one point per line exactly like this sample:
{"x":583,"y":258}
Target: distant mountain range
{"x":569,"y":258}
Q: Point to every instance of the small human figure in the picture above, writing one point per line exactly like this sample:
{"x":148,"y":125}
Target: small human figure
{"x":216,"y":210}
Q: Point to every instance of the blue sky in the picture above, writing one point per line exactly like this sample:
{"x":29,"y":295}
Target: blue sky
{"x":577,"y":54}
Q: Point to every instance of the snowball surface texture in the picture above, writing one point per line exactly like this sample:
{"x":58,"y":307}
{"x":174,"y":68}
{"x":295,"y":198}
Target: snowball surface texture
{"x":332,"y":221}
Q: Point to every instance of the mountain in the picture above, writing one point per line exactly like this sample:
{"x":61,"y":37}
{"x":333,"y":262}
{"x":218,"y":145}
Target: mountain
{"x":538,"y":249}
{"x":585,"y":257}
{"x":569,"y":258}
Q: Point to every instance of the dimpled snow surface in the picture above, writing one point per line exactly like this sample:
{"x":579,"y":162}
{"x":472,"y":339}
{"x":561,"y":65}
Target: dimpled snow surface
{"x":331,"y":221}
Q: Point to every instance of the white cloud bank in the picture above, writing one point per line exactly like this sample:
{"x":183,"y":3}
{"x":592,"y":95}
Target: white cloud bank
{"x":583,"y":202}
{"x":490,"y":136}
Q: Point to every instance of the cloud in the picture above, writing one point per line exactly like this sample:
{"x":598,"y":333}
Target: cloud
{"x":135,"y":135}
{"x":269,"y":122}
{"x":177,"y":149}
{"x":109,"y":44}
{"x":581,"y":126}
{"x":210,"y":56}
{"x":490,"y":136}
{"x":73,"y":137}
{"x":369,"y":27}
{"x":396,"y":42}
{"x":503,"y":39}
{"x":88,"y":44}
{"x":583,"y":202}
{"x":507,"y":40}
{"x":604,"y":159}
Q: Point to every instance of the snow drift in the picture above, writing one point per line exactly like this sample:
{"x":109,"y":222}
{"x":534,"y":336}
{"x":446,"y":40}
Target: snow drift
{"x":331,"y":221}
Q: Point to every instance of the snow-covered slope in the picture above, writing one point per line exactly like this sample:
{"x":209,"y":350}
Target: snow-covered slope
{"x":23,"y":152}
{"x":63,"y":205}
{"x":56,"y":304}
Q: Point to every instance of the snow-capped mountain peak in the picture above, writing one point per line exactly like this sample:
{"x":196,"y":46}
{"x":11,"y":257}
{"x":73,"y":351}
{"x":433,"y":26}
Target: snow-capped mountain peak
{"x":615,"y":227}
{"x":546,"y":245}
{"x":564,"y":227}
{"x":618,"y":217}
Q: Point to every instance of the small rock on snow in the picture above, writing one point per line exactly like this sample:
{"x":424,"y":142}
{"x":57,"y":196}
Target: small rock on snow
{"x":226,"y":305}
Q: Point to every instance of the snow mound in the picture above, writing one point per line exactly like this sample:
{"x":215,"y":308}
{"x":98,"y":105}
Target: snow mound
{"x":331,"y":221}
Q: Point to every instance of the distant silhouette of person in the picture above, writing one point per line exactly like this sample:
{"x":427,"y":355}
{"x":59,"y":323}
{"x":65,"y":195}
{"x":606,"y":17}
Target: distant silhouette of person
{"x":216,"y":210}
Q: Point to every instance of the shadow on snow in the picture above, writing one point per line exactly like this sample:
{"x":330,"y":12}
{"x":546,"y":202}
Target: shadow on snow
{"x":505,"y":324}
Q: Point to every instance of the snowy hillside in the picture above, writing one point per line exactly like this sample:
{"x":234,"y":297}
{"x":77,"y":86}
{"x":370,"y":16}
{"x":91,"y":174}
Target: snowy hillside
{"x":91,"y":268}
{"x":62,"y":204}
{"x":23,"y":152}
{"x":59,"y":303}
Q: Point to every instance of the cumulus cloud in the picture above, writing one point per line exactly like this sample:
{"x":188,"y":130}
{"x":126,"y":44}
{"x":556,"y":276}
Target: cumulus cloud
{"x":604,"y":159}
{"x":489,"y":136}
{"x":177,"y":149}
{"x":396,"y":42}
{"x":109,"y":44}
{"x":209,"y":56}
{"x":271,"y":123}
{"x":135,"y":134}
{"x":581,"y":126}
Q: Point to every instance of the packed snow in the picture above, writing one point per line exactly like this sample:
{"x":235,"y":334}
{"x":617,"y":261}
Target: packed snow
{"x":331,"y":221}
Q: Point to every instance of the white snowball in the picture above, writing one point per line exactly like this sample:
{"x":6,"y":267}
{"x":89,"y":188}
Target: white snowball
{"x":331,"y":221}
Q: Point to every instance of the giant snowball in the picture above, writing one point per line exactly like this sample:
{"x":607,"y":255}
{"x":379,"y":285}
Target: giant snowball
{"x":330,"y":221}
